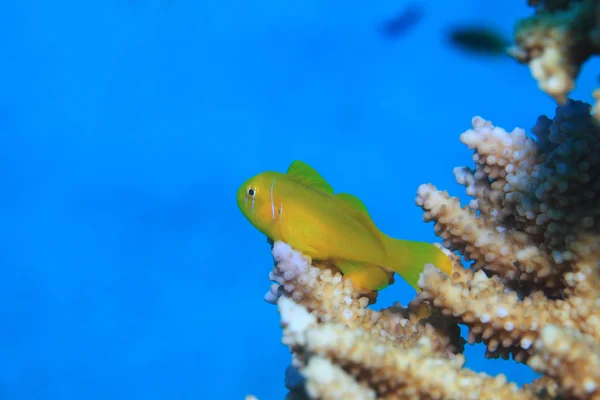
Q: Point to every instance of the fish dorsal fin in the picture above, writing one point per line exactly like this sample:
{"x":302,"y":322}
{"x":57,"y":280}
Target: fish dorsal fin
{"x":353,"y":202}
{"x":306,"y":175}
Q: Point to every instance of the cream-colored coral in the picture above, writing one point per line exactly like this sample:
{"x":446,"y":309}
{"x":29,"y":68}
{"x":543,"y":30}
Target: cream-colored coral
{"x":499,"y":318}
{"x":571,"y":358}
{"x":341,"y":363}
{"x":328,"y":381}
{"x":531,"y":232}
{"x":556,"y":41}
{"x":332,"y":298}
{"x":532,"y":200}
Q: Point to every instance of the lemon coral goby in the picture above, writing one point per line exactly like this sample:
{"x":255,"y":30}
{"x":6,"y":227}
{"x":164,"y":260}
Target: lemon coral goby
{"x":300,"y":208}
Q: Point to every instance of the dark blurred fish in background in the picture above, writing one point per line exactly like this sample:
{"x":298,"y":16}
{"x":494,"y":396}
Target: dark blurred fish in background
{"x":478,"y":39}
{"x":403,"y":22}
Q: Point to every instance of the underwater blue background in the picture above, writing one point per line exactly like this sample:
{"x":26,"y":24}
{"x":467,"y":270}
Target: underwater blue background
{"x":127,"y":126}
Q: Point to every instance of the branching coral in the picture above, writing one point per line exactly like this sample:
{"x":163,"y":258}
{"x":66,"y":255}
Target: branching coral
{"x":556,"y":41}
{"x":531,"y":231}
{"x":375,"y":369}
{"x":531,"y":227}
{"x":531,"y":291}
{"x":331,"y":298}
{"x":535,"y":199}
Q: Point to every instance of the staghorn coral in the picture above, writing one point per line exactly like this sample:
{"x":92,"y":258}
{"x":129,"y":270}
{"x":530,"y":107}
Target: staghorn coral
{"x":531,"y":231}
{"x":331,"y":298}
{"x":565,"y":355}
{"x":368,"y":368}
{"x":556,"y":41}
{"x":536,"y":200}
{"x":531,"y":291}
{"x":531,"y":227}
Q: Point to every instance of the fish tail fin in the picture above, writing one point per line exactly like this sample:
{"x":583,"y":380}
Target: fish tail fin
{"x":408,"y":259}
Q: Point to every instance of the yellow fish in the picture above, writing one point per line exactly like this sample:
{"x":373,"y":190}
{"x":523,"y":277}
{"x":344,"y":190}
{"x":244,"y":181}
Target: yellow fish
{"x":301,"y":209}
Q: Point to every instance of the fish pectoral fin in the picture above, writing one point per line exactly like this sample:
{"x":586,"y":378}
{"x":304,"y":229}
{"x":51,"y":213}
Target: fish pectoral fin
{"x":364,"y":276}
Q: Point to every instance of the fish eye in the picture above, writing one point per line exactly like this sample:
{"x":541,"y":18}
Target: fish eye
{"x":251,"y":192}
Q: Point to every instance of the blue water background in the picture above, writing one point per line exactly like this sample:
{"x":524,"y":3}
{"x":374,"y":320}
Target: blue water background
{"x":127,"y":126}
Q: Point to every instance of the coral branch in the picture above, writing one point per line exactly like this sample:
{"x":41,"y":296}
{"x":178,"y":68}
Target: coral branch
{"x":556,"y":41}
{"x":571,"y":358}
{"x":372,"y":369}
{"x":332,"y":298}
